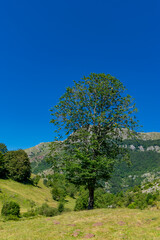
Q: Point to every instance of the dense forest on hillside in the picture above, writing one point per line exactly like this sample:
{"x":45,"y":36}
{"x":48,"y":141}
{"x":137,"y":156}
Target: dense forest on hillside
{"x":145,"y":165}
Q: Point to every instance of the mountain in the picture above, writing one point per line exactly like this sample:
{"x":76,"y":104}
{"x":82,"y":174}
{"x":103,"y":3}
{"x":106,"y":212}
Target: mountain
{"x":144,"y":155}
{"x":37,"y":157}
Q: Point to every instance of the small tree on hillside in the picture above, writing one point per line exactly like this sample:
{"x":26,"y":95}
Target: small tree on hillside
{"x":95,"y":113}
{"x":17,"y":165}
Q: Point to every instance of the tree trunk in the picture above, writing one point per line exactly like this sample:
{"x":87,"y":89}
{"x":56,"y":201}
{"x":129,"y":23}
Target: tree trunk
{"x":91,"y":198}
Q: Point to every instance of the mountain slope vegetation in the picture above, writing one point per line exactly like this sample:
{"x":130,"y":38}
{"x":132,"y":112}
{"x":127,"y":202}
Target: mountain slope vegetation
{"x":144,"y":167}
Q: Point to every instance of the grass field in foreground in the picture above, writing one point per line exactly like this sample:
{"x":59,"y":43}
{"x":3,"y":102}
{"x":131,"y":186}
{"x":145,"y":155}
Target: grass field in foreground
{"x":97,"y":224}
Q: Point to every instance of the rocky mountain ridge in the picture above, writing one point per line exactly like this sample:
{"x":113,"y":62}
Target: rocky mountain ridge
{"x":39,"y":152}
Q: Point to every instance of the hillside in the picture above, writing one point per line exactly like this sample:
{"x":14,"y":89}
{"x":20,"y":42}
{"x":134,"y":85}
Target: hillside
{"x":145,"y":159}
{"x":25,"y":193}
{"x":37,"y":157}
{"x":145,"y":165}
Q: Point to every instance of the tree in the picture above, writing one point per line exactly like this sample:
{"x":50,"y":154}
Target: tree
{"x":3,"y":148}
{"x":17,"y":165}
{"x":95,"y":114}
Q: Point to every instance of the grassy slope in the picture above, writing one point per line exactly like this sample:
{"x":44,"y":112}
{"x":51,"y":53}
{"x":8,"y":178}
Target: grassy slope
{"x":103,"y":223}
{"x":22,"y":193}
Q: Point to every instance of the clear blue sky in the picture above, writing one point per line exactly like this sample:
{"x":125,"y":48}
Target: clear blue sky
{"x":45,"y":45}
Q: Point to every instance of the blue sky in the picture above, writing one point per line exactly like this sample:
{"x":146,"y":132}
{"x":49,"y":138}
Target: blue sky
{"x":45,"y":45}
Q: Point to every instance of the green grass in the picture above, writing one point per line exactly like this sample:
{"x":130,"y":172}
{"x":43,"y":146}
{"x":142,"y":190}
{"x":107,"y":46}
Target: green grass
{"x":104,"y":224}
{"x":24,"y":193}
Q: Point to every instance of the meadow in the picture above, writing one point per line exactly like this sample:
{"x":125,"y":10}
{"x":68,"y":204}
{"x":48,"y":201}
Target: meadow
{"x":98,"y":224}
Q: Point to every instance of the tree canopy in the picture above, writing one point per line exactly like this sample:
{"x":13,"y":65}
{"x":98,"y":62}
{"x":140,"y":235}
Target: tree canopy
{"x":17,"y":165}
{"x":95,"y":114}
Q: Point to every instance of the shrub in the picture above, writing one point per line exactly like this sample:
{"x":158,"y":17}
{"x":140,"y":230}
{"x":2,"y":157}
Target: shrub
{"x":103,"y":199}
{"x":30,"y":213}
{"x":58,"y":193}
{"x":61,"y":207}
{"x":47,"y":210}
{"x":82,"y":201}
{"x":132,"y":205}
{"x":71,"y":189}
{"x":10,"y":209}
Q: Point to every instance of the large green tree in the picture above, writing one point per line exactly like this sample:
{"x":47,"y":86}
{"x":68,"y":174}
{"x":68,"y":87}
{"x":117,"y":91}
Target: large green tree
{"x":95,"y":114}
{"x":17,"y":165}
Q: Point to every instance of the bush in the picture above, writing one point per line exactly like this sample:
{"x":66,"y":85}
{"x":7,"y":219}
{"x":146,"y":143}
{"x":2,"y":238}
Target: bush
{"x":71,"y":190}
{"x":82,"y":201}
{"x":103,"y":199}
{"x":47,"y":210}
{"x":30,"y":213}
{"x":132,"y":205}
{"x":61,"y":207}
{"x":10,"y":209}
{"x":58,"y":193}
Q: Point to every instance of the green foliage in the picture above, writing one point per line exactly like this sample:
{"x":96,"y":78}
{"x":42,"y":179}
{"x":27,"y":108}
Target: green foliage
{"x":133,"y":199}
{"x":58,"y":193}
{"x":60,"y":186}
{"x":61,"y":207}
{"x":82,"y":200}
{"x":3,"y":148}
{"x":103,"y":199}
{"x":71,"y":190}
{"x":38,"y":167}
{"x":17,"y":165}
{"x":44,"y":210}
{"x":30,"y":213}
{"x":47,"y":211}
{"x":10,"y":209}
{"x":142,"y":162}
{"x":93,"y":113}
